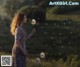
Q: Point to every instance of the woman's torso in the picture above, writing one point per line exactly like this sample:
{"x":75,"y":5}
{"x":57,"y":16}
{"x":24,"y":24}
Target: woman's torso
{"x":16,"y":50}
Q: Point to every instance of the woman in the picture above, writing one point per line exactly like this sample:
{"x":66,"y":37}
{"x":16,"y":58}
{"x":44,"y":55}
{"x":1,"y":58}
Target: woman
{"x":19,"y":49}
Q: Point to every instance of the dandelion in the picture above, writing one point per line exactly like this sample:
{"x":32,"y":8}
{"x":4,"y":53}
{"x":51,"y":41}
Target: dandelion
{"x":42,"y":55}
{"x":70,"y":32}
{"x":60,"y":33}
{"x":63,"y":23}
{"x":51,"y":37}
{"x":45,"y":32}
{"x":67,"y":27}
{"x":38,"y":60}
{"x":33,"y":22}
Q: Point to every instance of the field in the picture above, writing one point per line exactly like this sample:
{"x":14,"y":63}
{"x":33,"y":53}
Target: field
{"x":59,"y":51}
{"x":72,"y":61}
{"x":58,"y":37}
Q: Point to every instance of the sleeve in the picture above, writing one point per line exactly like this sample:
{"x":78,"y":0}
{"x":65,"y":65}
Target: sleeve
{"x":18,"y":34}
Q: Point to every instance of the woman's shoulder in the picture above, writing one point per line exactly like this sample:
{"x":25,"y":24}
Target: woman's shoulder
{"x":18,"y":29}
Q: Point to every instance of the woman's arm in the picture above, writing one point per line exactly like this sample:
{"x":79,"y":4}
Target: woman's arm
{"x":31,"y":34}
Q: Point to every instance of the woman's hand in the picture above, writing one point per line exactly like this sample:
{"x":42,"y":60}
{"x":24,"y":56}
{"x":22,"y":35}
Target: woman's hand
{"x":31,"y":34}
{"x":33,"y":31}
{"x":21,"y":48}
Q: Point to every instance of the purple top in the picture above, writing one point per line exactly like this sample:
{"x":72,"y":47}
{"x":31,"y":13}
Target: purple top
{"x":20,"y":35}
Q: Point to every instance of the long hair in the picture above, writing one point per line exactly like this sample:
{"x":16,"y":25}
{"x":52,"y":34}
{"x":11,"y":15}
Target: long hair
{"x":17,"y":20}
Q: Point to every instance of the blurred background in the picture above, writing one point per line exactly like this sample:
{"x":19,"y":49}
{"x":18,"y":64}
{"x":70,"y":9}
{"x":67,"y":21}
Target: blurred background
{"x":57,"y":32}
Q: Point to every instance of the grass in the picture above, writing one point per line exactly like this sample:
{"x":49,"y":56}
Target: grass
{"x":72,"y":61}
